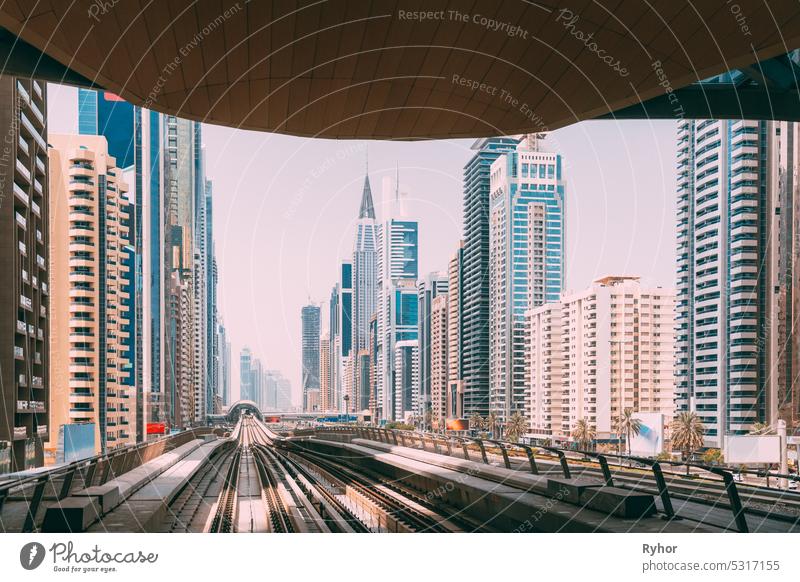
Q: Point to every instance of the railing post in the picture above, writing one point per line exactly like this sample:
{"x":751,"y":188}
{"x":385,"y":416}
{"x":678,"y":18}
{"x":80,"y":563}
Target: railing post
{"x":504,"y":452}
{"x":531,"y":459}
{"x":394,"y":436}
{"x":483,"y":451}
{"x":562,"y":458}
{"x":606,"y":471}
{"x":402,"y":439}
{"x":465,"y":449}
{"x":663,"y":492}
{"x":449,"y":447}
{"x":33,"y":506}
{"x":66,"y":485}
{"x":88,"y":476}
{"x":733,"y":497}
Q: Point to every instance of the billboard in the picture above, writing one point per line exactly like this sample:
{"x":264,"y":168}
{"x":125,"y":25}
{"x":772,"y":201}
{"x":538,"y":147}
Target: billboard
{"x":650,"y":440}
{"x":458,"y":424}
{"x":75,"y":442}
{"x":752,"y":449}
{"x":156,"y":428}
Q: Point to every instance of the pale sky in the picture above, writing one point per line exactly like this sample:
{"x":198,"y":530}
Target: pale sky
{"x":285,"y":208}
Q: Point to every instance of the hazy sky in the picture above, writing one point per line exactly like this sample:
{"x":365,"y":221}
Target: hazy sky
{"x":285,"y":208}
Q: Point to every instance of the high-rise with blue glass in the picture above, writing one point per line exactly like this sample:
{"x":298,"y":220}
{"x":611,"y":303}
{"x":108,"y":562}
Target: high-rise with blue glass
{"x":474,"y":276}
{"x":526,"y":261}
{"x":397,"y":313}
{"x":365,"y":291}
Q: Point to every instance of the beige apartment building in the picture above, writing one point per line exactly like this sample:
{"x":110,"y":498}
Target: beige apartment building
{"x":600,"y":351}
{"x":89,"y":233}
{"x":439,"y":361}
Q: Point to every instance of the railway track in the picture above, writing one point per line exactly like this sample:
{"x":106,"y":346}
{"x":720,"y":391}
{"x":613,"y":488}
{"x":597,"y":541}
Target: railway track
{"x":407,"y":511}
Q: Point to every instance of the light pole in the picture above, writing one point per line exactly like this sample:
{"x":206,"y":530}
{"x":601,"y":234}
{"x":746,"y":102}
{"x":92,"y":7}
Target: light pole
{"x":346,"y":399}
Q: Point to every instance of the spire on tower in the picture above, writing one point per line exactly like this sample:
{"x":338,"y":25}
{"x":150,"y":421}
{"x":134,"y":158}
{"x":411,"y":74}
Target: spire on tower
{"x":367,"y":209}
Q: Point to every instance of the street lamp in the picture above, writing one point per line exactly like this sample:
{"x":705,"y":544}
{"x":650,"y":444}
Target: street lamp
{"x":346,"y":399}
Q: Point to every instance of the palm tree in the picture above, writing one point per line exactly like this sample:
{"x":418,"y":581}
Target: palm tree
{"x":687,"y":434}
{"x":629,"y":425}
{"x":759,"y":428}
{"x":584,"y":433}
{"x":429,"y":420}
{"x":491,"y":423}
{"x":516,"y":426}
{"x":476,"y":422}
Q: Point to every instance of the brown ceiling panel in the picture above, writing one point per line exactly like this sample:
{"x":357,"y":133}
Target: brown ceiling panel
{"x":386,"y":68}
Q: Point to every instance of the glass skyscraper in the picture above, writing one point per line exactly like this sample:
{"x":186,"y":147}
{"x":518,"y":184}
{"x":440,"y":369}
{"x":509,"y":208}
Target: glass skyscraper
{"x":310,"y":316}
{"x":730,"y":339}
{"x":526,"y":264}
{"x":474,"y":275}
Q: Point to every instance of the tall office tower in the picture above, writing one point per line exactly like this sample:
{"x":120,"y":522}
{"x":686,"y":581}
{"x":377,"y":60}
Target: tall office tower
{"x":364,"y":282}
{"x":185,"y":229}
{"x":284,"y":396}
{"x":548,"y":410}
{"x":475,"y":274}
{"x":89,"y":234}
{"x":363,"y":381}
{"x":182,"y":317}
{"x":212,"y":388}
{"x":600,"y":351}
{"x":784,"y":158}
{"x":398,"y":270}
{"x":134,"y":140}
{"x":373,"y":368}
{"x":310,"y":317}
{"x":406,"y":379}
{"x":439,"y":375}
{"x":224,"y":373}
{"x":455,"y":335}
{"x":434,"y":285}
{"x":272,"y":379}
{"x":325,"y":391}
{"x":726,"y":282}
{"x":526,"y":240}
{"x":256,"y":381}
{"x":24,"y":257}
{"x":245,"y":376}
{"x":341,"y":324}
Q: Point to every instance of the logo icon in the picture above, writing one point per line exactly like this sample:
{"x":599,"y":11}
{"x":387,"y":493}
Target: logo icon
{"x":31,"y":555}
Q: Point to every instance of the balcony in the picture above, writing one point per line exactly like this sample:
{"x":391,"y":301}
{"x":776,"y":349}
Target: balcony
{"x":23,"y":249}
{"x":22,"y":380}
{"x":19,"y":433}
{"x":21,"y":220}
{"x":36,"y":382}
{"x":25,"y":303}
{"x":20,"y":193}
{"x":35,"y":208}
{"x":41,"y":430}
{"x":21,"y":327}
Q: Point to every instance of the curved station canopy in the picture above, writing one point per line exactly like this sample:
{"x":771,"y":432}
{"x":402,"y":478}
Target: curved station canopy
{"x":241,"y":406}
{"x":416,"y":69}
